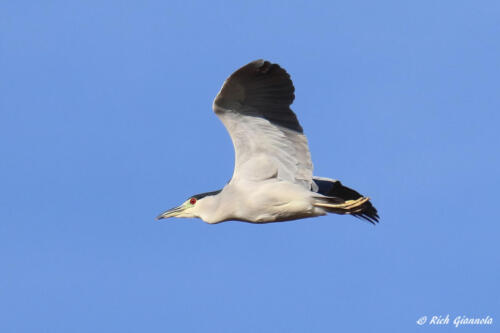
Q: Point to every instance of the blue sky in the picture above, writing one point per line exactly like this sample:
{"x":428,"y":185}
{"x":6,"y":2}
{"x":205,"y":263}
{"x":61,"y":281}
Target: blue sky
{"x":106,"y":121}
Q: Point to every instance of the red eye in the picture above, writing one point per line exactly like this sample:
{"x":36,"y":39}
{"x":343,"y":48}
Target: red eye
{"x":192,"y":201}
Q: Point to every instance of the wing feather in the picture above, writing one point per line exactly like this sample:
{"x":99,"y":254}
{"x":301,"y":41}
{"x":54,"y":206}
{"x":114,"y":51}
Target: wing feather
{"x":254,"y":106}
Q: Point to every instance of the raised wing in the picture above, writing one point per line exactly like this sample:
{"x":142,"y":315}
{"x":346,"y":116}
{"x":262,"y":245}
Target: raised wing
{"x":254,"y":105}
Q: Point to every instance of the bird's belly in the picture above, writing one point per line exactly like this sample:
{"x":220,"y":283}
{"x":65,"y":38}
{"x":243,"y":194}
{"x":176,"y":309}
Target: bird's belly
{"x":286,"y":212}
{"x":278,"y":201}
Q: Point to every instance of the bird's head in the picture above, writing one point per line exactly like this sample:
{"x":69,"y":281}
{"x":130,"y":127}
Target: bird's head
{"x":195,"y":206}
{"x":187,"y":209}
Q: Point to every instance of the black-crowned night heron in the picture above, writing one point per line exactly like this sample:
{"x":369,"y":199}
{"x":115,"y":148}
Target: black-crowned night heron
{"x":273,"y":174}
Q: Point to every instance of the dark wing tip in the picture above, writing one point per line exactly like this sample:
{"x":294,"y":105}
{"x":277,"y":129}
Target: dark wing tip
{"x":335,"y":188}
{"x":261,"y":89}
{"x":368,"y":213}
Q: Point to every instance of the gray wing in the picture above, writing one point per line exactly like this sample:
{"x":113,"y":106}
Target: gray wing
{"x":254,"y":106}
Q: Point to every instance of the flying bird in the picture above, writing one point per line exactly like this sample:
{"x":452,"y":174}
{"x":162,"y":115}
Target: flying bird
{"x":273,"y":174}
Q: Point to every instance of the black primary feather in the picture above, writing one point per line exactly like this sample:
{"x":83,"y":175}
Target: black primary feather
{"x":334,"y":188}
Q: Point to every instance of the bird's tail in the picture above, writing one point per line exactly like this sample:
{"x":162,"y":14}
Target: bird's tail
{"x":339,"y":199}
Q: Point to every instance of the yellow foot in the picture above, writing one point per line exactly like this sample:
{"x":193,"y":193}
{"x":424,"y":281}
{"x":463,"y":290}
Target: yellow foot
{"x":348,"y":207}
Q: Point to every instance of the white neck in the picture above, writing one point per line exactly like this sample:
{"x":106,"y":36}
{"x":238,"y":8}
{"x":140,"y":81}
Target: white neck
{"x":208,"y":209}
